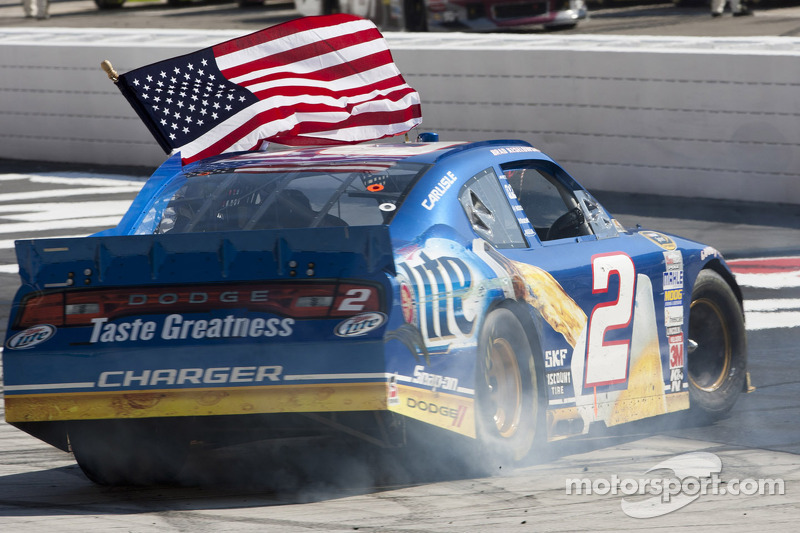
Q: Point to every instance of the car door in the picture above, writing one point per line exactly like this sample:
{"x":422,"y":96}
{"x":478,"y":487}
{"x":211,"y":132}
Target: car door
{"x":611,"y":365}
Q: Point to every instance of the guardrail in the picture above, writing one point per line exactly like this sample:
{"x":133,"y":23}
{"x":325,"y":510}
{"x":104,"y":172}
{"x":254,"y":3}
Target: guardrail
{"x":685,"y":116}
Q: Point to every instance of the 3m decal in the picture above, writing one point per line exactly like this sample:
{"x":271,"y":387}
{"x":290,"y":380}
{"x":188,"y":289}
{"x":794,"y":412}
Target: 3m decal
{"x":30,"y":337}
{"x":607,"y":360}
{"x":676,"y":362}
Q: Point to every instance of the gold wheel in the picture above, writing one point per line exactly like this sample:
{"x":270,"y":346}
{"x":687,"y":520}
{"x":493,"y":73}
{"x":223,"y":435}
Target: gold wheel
{"x":710,"y":363}
{"x":505,"y":387}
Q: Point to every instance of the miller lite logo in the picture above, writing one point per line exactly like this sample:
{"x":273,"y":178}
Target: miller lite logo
{"x":30,"y":337}
{"x":359,"y":324}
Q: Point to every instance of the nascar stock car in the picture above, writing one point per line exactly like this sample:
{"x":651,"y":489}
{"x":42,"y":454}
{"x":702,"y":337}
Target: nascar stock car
{"x":473,"y":289}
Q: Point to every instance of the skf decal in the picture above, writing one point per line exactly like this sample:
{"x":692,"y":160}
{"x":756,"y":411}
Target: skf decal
{"x":660,"y":239}
{"x":437,"y":192}
{"x":31,"y":337}
{"x":555,"y":358}
{"x":176,"y":327}
{"x":360,"y":324}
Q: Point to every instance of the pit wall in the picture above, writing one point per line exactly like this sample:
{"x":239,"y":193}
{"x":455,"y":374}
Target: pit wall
{"x":705,"y":117}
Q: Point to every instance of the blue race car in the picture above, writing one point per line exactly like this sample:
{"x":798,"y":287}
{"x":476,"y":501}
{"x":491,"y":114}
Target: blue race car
{"x":474,"y":287}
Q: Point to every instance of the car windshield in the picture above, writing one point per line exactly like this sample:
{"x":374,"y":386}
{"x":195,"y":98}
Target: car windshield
{"x":244,"y":199}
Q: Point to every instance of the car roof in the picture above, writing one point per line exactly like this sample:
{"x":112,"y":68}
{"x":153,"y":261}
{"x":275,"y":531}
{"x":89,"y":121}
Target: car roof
{"x":289,"y":159}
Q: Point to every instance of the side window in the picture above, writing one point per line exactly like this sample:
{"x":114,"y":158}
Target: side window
{"x":551,"y":207}
{"x":489,"y":212}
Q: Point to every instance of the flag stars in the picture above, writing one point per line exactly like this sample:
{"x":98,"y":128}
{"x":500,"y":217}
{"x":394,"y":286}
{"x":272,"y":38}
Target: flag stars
{"x":176,"y":70}
{"x":162,"y":74}
{"x":190,"y":66}
{"x":228,"y":108}
{"x":149,"y":78}
{"x":136,"y":82}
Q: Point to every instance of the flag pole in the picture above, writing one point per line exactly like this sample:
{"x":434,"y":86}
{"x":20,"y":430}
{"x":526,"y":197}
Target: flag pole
{"x":109,"y":70}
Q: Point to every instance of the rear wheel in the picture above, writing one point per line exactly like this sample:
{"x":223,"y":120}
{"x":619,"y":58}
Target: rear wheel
{"x":717,"y":358}
{"x":509,"y":402}
{"x":130,"y":452}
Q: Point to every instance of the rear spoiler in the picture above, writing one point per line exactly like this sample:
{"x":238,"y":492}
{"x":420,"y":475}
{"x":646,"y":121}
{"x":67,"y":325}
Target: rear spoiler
{"x":336,"y":252}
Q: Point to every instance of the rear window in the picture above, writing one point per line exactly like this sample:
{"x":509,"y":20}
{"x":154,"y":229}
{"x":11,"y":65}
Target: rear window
{"x":257,"y":199}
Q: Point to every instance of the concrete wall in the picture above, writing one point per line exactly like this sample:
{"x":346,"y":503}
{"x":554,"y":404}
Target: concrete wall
{"x":679,"y":116}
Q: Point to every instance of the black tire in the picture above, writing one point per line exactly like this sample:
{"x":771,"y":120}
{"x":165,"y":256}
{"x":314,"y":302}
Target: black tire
{"x":109,"y":4}
{"x":330,"y":7}
{"x":509,"y":402}
{"x":717,"y":366}
{"x":416,"y":15}
{"x":130,"y":452}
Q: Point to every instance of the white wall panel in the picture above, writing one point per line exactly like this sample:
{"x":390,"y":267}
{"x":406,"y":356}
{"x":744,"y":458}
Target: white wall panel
{"x":692,"y":116}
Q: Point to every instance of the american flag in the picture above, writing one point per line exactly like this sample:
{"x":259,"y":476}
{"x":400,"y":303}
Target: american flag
{"x":314,"y":80}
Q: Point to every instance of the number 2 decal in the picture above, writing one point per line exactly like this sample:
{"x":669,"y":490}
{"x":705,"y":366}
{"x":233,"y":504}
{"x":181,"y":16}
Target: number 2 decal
{"x":356,"y":300}
{"x":607,"y":360}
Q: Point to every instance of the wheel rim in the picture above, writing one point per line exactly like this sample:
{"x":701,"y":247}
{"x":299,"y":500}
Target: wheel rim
{"x":710,"y":363}
{"x":505,"y":387}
